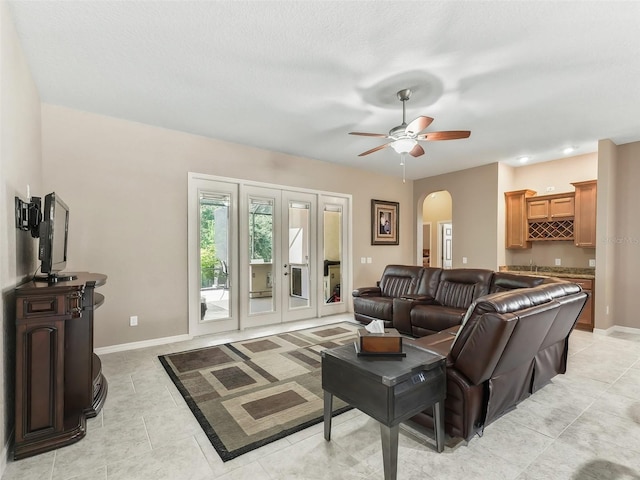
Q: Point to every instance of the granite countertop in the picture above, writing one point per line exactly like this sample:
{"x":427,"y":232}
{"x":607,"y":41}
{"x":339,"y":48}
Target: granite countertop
{"x":558,"y":272}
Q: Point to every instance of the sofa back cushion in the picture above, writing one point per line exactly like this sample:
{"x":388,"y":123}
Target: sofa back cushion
{"x":399,"y":280}
{"x":501,"y":282}
{"x":460,"y":287}
{"x":478,"y":330}
{"x":429,"y":282}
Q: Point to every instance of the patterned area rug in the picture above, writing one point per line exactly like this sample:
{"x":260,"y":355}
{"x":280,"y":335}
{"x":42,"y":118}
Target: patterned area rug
{"x":250,"y":393}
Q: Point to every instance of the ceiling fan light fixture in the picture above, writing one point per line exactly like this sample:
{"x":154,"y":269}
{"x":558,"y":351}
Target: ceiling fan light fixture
{"x":404,"y":145}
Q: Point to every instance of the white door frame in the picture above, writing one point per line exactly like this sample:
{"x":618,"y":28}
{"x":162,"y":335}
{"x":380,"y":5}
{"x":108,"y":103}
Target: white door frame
{"x":441,"y":224}
{"x":320,"y":308}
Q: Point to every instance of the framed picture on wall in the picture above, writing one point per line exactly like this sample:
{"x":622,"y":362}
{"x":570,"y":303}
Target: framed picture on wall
{"x":384,"y":222}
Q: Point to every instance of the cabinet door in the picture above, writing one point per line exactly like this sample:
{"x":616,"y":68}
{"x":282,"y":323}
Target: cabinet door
{"x":538,"y":209}
{"x":516,"y":219}
{"x":561,"y":207}
{"x":585,"y":217}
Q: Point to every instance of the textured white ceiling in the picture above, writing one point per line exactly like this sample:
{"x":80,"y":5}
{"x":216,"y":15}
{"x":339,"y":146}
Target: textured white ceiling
{"x":526,"y":77}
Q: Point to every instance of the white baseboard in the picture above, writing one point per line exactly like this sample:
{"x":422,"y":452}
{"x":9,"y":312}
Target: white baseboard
{"x":616,"y":328}
{"x":154,"y":342}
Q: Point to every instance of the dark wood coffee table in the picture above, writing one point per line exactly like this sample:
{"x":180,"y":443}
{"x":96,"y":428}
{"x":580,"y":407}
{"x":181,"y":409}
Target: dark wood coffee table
{"x":388,"y":389}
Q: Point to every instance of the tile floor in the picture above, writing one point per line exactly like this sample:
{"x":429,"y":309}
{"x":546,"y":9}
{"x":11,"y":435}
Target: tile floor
{"x":585,"y":425}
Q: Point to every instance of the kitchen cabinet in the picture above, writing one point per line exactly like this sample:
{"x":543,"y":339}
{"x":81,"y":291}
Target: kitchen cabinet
{"x":551,"y":207}
{"x":584,"y":225}
{"x":516,"y":219}
{"x":550,"y":217}
{"x":585,"y":320}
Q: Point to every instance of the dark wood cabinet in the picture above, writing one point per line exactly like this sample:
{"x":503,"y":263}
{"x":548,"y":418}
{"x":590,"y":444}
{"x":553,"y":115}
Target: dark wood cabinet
{"x":59,"y":381}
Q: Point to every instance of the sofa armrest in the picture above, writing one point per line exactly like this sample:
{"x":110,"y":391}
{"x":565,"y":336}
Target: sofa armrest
{"x":367,"y":292}
{"x":421,"y":299}
{"x":401,"y":315}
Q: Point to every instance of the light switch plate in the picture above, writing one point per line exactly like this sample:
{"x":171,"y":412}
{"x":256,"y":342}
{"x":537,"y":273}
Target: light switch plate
{"x":363,"y":259}
{"x":369,"y":260}
{"x":464,"y":259}
{"x":592,"y":262}
{"x":558,"y":262}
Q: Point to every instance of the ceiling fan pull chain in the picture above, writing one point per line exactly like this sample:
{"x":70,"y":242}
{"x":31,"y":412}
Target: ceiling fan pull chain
{"x":402,"y":162}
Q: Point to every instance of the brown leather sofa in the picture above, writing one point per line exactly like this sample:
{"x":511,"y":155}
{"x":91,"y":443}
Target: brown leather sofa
{"x":421,"y":301}
{"x":510,"y":341}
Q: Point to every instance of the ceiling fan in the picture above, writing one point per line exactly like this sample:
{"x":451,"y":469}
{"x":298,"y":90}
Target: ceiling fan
{"x":404,"y":138}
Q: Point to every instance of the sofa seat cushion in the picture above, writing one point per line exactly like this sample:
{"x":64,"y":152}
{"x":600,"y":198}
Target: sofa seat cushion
{"x":374,"y":307}
{"x":436,"y":317}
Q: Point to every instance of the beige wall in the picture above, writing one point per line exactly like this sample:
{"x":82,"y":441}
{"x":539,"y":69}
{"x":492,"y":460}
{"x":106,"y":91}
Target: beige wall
{"x":605,"y":306}
{"x":126,"y":185}
{"x":558,"y":174}
{"x":20,"y":164}
{"x":624,"y":239}
{"x":474,"y":206}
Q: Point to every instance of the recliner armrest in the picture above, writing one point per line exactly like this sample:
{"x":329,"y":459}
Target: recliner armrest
{"x":367,"y":292}
{"x":421,"y":299}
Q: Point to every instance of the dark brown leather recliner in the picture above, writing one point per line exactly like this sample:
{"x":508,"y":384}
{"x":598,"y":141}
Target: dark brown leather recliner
{"x":510,"y":344}
{"x":376,"y":303}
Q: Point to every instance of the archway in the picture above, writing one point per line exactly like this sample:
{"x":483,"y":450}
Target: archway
{"x":435,"y":234}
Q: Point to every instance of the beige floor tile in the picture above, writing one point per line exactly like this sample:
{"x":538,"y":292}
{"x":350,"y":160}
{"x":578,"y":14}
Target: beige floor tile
{"x":584,"y":425}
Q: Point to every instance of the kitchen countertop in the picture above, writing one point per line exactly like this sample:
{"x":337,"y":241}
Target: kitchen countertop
{"x":558,"y":272}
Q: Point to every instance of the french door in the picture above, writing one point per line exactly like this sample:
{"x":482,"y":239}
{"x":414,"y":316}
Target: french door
{"x":278,"y":278}
{"x":262,"y":254}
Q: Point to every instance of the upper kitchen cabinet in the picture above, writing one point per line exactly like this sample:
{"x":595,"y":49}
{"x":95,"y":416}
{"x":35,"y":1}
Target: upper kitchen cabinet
{"x":516,"y":215}
{"x":584,"y":224}
{"x":551,"y":207}
{"x":550,"y":217}
{"x":567,"y":216}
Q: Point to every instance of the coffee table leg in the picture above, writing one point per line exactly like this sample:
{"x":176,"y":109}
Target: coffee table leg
{"x":390,"y":451}
{"x":328,"y":405}
{"x":438,"y":416}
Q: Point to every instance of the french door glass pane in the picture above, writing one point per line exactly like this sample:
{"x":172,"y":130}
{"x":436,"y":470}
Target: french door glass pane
{"x":261,"y":297}
{"x":298,"y":256}
{"x":214,"y":256}
{"x":332,"y":252}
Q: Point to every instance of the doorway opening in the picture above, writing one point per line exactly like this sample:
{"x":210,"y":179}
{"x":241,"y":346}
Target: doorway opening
{"x":436,"y":245}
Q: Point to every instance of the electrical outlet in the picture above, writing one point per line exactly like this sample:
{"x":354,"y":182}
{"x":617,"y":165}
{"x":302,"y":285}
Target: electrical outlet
{"x":592,"y":262}
{"x":464,"y":259}
{"x":558,"y":262}
{"x":551,"y":189}
{"x":133,"y":321}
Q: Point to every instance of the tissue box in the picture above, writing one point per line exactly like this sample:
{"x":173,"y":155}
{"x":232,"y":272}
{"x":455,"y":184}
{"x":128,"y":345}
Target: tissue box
{"x":387,"y":343}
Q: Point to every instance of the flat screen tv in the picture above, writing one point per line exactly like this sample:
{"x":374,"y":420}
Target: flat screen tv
{"x":54,"y":231}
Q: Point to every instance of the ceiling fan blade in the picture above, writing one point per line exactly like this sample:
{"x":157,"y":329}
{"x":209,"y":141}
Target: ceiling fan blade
{"x":380,"y":147}
{"x":417,"y":151}
{"x":381,"y":135}
{"x":417,"y":125}
{"x":450,"y":135}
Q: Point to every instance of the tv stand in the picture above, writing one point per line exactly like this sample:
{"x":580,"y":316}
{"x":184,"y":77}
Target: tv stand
{"x":59,"y":380}
{"x":56,"y":277}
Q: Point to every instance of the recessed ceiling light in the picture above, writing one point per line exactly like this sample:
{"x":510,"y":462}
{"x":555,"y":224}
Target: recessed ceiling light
{"x":524,"y":159}
{"x":568,"y":150}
